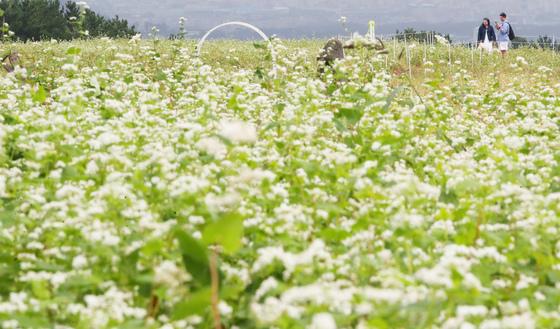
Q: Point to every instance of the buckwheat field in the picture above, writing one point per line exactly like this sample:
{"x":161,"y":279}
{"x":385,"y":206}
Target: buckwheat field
{"x":142,"y":186}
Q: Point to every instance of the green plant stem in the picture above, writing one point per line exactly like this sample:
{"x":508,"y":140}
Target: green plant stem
{"x":215,"y":288}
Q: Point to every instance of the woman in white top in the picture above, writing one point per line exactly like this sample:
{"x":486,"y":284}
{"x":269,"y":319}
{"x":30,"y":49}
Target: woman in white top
{"x":486,"y":35}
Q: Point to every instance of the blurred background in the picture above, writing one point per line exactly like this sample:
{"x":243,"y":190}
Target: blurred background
{"x":319,"y":18}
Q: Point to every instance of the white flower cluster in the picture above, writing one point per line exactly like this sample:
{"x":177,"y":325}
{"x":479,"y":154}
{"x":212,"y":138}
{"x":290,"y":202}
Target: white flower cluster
{"x":364,"y":204}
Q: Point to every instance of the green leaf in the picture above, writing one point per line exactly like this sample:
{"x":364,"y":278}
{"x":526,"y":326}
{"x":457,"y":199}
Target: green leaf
{"x":70,"y":173}
{"x":152,"y":247}
{"x":7,"y":217}
{"x":279,"y":107}
{"x":232,"y":102}
{"x":41,"y":290}
{"x":226,"y":232}
{"x":195,"y":257}
{"x":352,"y":115}
{"x":81,"y":282}
{"x":73,"y":51}
{"x":197,"y":304}
{"x":392,"y":97}
{"x":31,"y":321}
{"x":39,"y":96}
{"x":132,"y":324}
{"x":160,"y":76}
{"x":259,"y":73}
{"x":339,"y":125}
{"x":272,"y":125}
{"x":378,"y":323}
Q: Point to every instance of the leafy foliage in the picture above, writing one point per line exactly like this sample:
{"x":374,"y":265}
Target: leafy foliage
{"x":49,"y":19}
{"x":410,"y":34}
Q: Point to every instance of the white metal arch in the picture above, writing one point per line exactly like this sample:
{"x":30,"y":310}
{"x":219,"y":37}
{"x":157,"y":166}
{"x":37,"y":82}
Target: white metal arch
{"x":242,"y":24}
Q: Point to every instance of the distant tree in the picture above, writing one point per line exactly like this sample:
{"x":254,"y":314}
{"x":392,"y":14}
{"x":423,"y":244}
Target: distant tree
{"x":72,"y":11}
{"x":73,"y":17}
{"x":4,"y":27}
{"x":543,"y":42}
{"x":35,"y":19}
{"x":546,"y":42}
{"x":99,"y":26}
{"x":419,"y":36}
{"x":49,"y":19}
{"x":523,"y":42}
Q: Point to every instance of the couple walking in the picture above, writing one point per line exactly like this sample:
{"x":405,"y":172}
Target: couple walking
{"x":487,"y":36}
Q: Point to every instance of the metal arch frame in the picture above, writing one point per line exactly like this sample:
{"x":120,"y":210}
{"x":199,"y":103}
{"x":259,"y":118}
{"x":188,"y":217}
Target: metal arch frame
{"x":242,"y":24}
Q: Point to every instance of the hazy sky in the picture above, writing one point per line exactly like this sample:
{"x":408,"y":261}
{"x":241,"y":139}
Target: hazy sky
{"x":307,"y":18}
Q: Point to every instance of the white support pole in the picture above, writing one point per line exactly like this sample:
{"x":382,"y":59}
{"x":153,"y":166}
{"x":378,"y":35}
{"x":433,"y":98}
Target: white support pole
{"x":371,"y":31}
{"x":395,"y":48}
{"x":472,"y":55}
{"x":409,"y":61}
{"x":405,"y":42}
{"x":408,"y":57}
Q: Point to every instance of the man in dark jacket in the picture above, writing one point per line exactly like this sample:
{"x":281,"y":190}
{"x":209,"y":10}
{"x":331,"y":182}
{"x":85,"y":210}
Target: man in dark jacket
{"x":486,"y":35}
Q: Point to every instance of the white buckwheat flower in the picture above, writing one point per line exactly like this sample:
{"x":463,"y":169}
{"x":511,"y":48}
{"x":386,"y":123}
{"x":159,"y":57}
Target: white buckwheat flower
{"x":238,"y":131}
{"x":323,"y":321}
